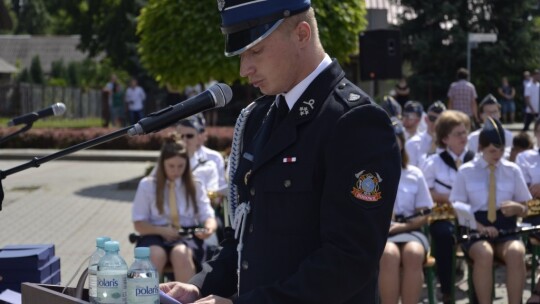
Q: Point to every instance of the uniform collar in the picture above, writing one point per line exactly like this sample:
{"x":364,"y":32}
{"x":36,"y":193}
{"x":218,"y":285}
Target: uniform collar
{"x":484,"y":164}
{"x":293,"y":95}
{"x":455,"y":156}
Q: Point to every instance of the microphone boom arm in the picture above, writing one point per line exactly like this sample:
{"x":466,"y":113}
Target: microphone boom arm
{"x":37,"y":161}
{"x":21,"y":130}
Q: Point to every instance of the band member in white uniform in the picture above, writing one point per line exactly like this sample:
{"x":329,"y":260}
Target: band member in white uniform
{"x":407,"y":245}
{"x":440,"y":171}
{"x":201,"y":167}
{"x":496,"y":192}
{"x":490,"y":107}
{"x":421,"y":145}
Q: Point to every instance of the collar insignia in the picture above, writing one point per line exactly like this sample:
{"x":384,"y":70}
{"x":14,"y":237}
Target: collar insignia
{"x":305,"y":110}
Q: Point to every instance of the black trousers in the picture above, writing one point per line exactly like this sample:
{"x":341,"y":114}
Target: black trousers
{"x":529,"y":117}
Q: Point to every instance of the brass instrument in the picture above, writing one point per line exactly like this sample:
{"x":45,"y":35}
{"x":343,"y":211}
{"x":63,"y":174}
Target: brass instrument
{"x":442,"y":212}
{"x":533,"y":207}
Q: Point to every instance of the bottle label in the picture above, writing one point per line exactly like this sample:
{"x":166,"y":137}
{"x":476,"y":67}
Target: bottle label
{"x":111,"y":289}
{"x":92,"y":285}
{"x":143,"y":290}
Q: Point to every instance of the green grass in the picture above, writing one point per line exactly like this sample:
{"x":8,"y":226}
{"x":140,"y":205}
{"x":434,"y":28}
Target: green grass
{"x":61,"y":123}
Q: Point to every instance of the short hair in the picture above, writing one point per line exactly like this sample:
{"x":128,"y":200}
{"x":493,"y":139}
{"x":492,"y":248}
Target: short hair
{"x":308,"y":16}
{"x":446,"y":122}
{"x":522,"y":140}
{"x":462,"y":73}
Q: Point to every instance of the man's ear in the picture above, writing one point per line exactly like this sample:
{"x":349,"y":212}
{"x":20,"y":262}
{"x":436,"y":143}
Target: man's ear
{"x":303,"y":33}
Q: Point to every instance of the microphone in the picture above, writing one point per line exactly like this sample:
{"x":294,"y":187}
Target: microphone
{"x":56,"y":110}
{"x":216,"y":96}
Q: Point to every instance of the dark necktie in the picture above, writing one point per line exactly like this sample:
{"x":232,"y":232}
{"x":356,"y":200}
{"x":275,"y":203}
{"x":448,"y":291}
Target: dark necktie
{"x":282,"y":111}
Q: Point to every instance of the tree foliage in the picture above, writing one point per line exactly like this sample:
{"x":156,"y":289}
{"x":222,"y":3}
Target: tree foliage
{"x":181,"y":42}
{"x":435,"y":41}
{"x":36,"y":72}
{"x":32,"y":17}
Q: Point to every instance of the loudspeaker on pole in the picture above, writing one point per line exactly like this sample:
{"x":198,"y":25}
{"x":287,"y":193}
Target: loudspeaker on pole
{"x":380,"y":55}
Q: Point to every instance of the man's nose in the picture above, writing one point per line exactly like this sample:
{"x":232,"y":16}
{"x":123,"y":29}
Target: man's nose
{"x":246,"y":66}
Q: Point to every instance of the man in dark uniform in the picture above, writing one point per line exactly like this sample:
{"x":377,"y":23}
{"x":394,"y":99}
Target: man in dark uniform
{"x":314,"y":167}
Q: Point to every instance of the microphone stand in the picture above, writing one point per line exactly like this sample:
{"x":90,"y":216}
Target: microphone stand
{"x":37,"y":161}
{"x":21,"y":130}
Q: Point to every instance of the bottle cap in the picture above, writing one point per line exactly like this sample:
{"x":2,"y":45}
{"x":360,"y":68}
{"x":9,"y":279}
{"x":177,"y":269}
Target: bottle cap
{"x":100,"y":241}
{"x":112,"y":246}
{"x":142,"y":252}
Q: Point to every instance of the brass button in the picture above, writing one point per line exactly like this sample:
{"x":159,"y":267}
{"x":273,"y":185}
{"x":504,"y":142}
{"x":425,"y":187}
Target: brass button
{"x":252,"y":191}
{"x":245,"y":265}
{"x":287,"y":183}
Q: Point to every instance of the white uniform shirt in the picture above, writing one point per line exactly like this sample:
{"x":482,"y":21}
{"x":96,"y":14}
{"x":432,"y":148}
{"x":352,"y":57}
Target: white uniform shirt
{"x":472,"y":184}
{"x":532,"y":91}
{"x":215,"y":157}
{"x":474,"y":137}
{"x":135,"y":98}
{"x":413,"y":192}
{"x":436,"y":169}
{"x":205,"y":171}
{"x":529,"y":163}
{"x":417,"y":148}
{"x":145,"y":209}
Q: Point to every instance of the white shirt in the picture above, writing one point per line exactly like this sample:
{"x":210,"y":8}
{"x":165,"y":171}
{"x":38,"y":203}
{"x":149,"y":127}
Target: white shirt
{"x":215,"y":157}
{"x":436,"y":169}
{"x":472,"y":184}
{"x":529,"y":163}
{"x":145,"y":209}
{"x":135,"y":98}
{"x":205,"y":171}
{"x":532,"y":91}
{"x":417,"y":148}
{"x":413,"y":192}
{"x":474,"y":136}
{"x":292,"y":96}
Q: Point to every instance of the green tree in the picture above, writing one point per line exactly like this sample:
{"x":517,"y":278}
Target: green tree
{"x":32,"y":17}
{"x":36,"y":72}
{"x":435,"y":42}
{"x":181,"y":43}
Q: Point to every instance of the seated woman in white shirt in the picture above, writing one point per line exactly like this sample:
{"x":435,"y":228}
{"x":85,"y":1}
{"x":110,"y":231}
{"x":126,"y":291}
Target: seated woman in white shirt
{"x":496,"y":191}
{"x":407,"y":245}
{"x":173,"y":186}
{"x":440,"y":170}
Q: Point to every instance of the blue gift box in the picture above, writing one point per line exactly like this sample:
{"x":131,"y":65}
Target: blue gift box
{"x":30,"y":275}
{"x":24,"y":258}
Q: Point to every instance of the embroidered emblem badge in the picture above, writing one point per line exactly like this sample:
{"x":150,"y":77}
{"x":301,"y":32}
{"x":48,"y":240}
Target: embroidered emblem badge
{"x":289,"y":159}
{"x":304,"y":111}
{"x":354,"y":97}
{"x":366,"y":187}
{"x":221,"y":5}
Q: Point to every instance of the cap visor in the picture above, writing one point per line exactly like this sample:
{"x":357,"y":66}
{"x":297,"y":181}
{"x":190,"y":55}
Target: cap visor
{"x":237,"y":43}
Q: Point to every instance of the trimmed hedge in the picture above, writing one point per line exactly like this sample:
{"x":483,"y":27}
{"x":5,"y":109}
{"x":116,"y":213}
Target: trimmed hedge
{"x":219,"y":138}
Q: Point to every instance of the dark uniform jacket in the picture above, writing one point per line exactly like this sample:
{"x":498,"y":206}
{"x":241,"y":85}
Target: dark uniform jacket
{"x":322,"y":192}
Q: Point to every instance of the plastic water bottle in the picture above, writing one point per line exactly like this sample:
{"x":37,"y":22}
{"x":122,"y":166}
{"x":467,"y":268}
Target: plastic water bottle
{"x":142,"y":279}
{"x":92,"y":267}
{"x":111,"y":276}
